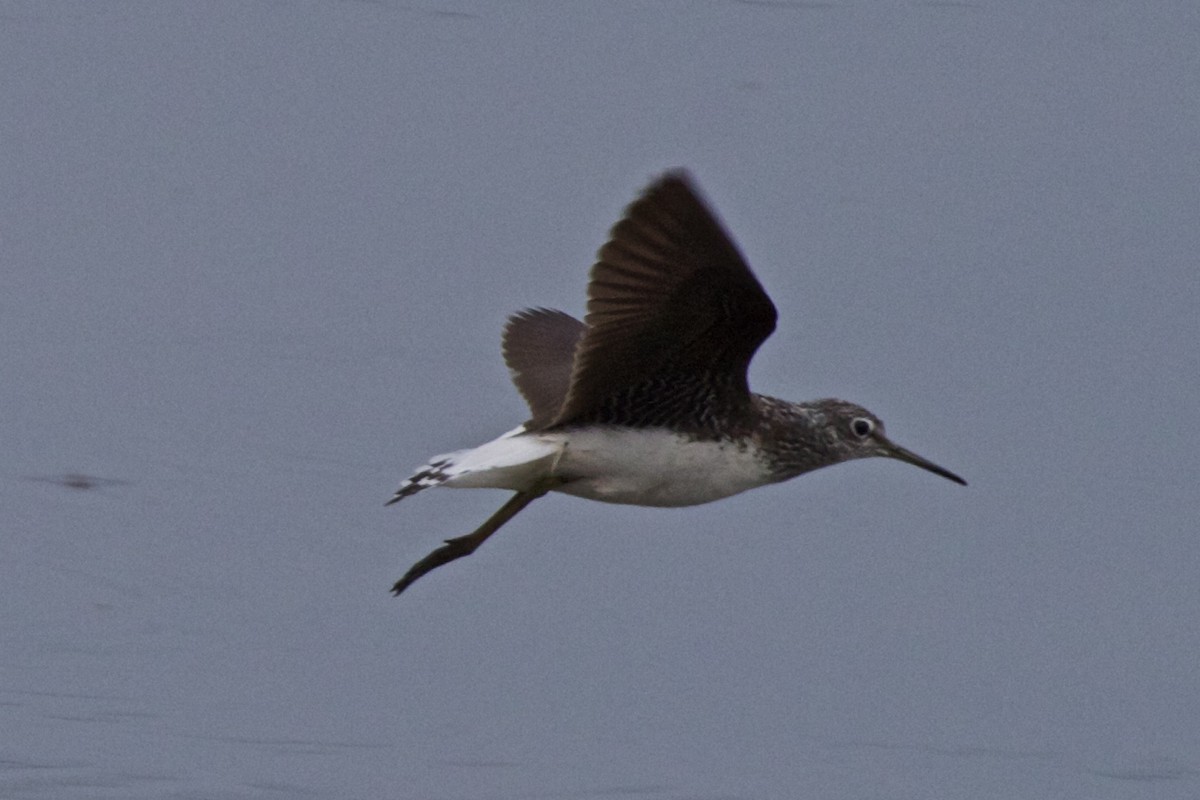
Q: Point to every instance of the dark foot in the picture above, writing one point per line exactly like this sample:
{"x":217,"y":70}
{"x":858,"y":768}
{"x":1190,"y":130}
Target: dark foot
{"x":452,"y":549}
{"x":465,"y":545}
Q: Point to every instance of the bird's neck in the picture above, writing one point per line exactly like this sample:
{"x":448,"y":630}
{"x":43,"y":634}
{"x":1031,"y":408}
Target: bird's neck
{"x":795,"y":437}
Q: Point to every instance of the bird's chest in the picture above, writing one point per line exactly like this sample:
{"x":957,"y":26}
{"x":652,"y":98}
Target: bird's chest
{"x":654,"y":467}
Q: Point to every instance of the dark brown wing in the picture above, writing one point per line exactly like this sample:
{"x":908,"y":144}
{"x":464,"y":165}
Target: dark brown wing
{"x":539,"y":349}
{"x":674,"y":316}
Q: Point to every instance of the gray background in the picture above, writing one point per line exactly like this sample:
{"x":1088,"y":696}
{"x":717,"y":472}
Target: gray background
{"x":254,"y":262}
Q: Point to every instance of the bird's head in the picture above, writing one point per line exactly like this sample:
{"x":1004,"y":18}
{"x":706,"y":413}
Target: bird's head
{"x":850,"y":431}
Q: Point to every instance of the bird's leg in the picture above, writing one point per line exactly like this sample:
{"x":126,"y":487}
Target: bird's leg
{"x":465,"y":545}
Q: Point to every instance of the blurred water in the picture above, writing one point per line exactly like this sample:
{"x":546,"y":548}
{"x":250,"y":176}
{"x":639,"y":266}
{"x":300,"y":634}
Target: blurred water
{"x":254,"y":264}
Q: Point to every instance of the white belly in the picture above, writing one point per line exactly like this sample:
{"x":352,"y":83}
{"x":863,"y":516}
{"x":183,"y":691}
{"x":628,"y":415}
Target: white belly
{"x":647,"y":467}
{"x":651,"y":467}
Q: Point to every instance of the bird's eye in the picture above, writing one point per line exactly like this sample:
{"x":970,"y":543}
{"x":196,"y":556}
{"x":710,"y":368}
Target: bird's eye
{"x":862,"y":427}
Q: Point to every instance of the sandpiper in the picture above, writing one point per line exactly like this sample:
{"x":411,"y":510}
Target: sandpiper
{"x":645,"y":402}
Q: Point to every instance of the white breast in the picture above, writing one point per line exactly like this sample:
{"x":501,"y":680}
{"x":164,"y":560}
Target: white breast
{"x":652,"y":467}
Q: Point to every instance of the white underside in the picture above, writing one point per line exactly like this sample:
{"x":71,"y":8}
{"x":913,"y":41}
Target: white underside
{"x":614,"y":465}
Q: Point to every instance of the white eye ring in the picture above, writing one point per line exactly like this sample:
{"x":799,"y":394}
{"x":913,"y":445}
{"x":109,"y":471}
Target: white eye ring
{"x":862,"y":427}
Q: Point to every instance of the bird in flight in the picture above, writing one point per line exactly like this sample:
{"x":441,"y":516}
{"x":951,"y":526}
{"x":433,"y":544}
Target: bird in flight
{"x":645,"y":402}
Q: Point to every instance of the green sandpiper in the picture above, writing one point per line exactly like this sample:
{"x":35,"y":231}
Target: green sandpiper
{"x":645,"y":402}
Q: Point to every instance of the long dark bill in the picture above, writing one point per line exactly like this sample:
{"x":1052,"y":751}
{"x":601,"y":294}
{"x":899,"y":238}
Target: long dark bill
{"x":909,"y":457}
